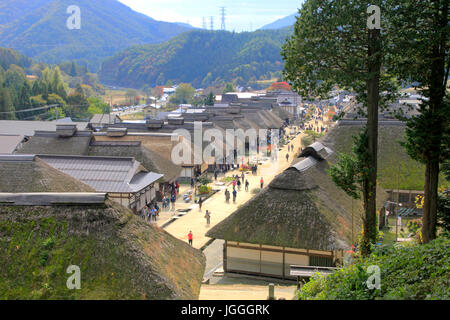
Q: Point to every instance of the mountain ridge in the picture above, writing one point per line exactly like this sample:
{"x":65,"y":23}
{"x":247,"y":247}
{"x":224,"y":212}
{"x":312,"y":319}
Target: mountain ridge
{"x":288,"y":21}
{"x":38,"y":29}
{"x":199,"y":57}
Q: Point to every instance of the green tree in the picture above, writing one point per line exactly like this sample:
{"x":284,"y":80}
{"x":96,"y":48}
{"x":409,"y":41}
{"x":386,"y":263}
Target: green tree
{"x":229,"y":88}
{"x":332,"y":46}
{"x":419,"y":52}
{"x":183,"y":94}
{"x":209,"y":101}
{"x":6,"y":105}
{"x":97,"y":106}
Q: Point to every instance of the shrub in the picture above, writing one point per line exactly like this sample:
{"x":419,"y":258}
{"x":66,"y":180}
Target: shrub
{"x":411,"y":272}
{"x":204,"y":189}
{"x":204,"y":181}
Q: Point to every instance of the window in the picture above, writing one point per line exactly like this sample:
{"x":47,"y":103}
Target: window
{"x":321,"y":261}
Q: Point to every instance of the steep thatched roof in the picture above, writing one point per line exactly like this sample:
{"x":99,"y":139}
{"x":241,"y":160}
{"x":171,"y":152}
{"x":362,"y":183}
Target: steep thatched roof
{"x":36,"y":176}
{"x":120,"y":255}
{"x":396,"y":169}
{"x":83,"y":144}
{"x":50,"y":143}
{"x":281,"y":113}
{"x":299,"y":209}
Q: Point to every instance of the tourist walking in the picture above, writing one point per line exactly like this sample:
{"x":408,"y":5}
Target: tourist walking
{"x":190,"y":238}
{"x":247,"y":184}
{"x":200,"y":202}
{"x":234,"y":196}
{"x":243,"y":177}
{"x":287,"y":157}
{"x":215,"y":175}
{"x":208,"y":217}
{"x":239,"y":184}
{"x":261,"y":182}
{"x":227,"y":196}
{"x":173,"y":199}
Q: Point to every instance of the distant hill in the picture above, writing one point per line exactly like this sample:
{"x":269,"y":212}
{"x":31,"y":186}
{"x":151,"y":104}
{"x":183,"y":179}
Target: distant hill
{"x":288,"y":21}
{"x":38,"y":29}
{"x":10,"y":56}
{"x":199,"y":57}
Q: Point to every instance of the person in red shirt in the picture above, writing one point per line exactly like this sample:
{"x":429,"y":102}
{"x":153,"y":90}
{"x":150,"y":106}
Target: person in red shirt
{"x":190,"y":237}
{"x":262,"y":183}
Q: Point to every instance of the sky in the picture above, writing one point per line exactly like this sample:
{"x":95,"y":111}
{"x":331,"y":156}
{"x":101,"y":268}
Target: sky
{"x":241,"y":15}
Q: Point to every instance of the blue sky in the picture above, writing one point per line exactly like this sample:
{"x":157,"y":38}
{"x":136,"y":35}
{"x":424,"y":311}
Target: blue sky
{"x":241,"y":15}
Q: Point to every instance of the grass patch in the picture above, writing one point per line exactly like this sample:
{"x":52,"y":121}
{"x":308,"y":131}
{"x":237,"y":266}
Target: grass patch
{"x":407,"y":272}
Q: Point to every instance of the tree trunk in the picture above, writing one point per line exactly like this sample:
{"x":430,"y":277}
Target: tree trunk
{"x":437,"y":90}
{"x":430,"y":201}
{"x":370,"y":183}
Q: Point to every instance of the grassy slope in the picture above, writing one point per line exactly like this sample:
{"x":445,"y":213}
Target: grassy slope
{"x":120,"y":256}
{"x":412,"y":272}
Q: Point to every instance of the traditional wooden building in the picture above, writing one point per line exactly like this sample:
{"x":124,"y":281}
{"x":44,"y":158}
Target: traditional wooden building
{"x":302,"y":218}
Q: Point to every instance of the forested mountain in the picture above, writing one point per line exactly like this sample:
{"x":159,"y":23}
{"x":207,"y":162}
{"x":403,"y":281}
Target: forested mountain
{"x":28,"y":88}
{"x":199,"y":57}
{"x":288,"y":21}
{"x":38,"y":28}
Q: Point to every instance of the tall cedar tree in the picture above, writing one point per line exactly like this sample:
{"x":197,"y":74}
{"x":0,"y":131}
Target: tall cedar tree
{"x":332,"y":46}
{"x":419,"y":52}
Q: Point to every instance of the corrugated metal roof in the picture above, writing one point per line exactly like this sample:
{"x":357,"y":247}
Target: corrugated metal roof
{"x":28,"y":128}
{"x":104,"y":174}
{"x":9,"y":143}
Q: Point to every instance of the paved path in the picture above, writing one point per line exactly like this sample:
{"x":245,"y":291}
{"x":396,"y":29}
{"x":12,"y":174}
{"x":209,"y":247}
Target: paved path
{"x":195,"y":219}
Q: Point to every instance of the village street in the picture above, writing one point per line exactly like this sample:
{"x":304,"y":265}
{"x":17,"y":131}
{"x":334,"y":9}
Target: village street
{"x":194,"y":220}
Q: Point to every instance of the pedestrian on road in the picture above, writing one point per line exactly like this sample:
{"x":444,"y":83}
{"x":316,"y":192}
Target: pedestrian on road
{"x":234,"y":182}
{"x":239,"y":184}
{"x":190,"y":238}
{"x":215,"y":175}
{"x":287,"y":157}
{"x":200,"y":202}
{"x":208,"y":217}
{"x":227,"y":196}
{"x":243,"y":177}
{"x":261,"y":182}
{"x":234,"y":196}
{"x":192,"y":182}
{"x":246,"y":185}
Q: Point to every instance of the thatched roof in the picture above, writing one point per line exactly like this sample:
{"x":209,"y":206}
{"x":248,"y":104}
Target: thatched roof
{"x":281,"y":113}
{"x":299,"y":209}
{"x":120,"y":255}
{"x":36,"y":176}
{"x":395,"y":166}
{"x":83,"y":144}
{"x":50,"y":143}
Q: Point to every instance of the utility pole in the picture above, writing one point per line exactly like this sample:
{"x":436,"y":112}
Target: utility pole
{"x":211,"y":20}
{"x":204,"y":23}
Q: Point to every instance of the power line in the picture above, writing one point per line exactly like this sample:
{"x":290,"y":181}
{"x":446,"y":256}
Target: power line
{"x":29,"y":110}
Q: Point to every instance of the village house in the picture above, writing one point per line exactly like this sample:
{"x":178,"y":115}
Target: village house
{"x":302,"y":218}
